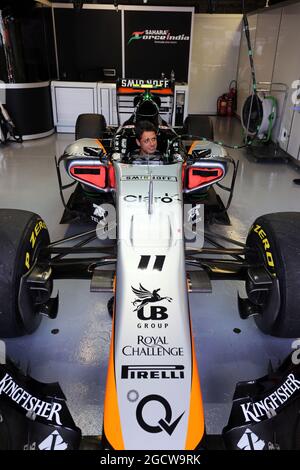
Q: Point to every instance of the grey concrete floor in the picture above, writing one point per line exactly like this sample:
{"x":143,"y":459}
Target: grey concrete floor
{"x":77,"y":355}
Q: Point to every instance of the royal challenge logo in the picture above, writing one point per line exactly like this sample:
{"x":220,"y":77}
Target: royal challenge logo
{"x":158,"y":36}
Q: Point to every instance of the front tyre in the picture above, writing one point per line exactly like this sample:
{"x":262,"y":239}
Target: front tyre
{"x":274,"y":239}
{"x":22,"y":236}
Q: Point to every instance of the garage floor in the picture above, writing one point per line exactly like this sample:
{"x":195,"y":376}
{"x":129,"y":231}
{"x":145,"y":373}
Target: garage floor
{"x":77,"y":355}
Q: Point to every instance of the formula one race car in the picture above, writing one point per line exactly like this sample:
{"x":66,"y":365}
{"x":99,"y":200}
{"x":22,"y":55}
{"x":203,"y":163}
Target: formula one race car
{"x":152,"y":100}
{"x":153,"y":396}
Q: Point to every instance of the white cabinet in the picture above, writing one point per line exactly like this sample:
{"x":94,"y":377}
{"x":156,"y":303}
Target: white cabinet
{"x":180,"y":110}
{"x":69,"y":99}
{"x":286,"y":70}
{"x":294,"y":141}
{"x":106,"y":93}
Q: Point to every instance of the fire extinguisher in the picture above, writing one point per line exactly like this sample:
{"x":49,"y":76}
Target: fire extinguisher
{"x":229,"y":106}
{"x":232,"y":98}
{"x":222,"y":105}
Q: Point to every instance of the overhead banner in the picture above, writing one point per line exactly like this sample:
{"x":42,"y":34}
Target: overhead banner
{"x":157,"y":43}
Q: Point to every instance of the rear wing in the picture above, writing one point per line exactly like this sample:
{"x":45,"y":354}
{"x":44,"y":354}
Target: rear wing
{"x":128,"y":88}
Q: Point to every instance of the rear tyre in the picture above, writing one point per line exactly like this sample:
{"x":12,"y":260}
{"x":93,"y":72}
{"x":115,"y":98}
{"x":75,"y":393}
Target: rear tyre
{"x":90,"y":126}
{"x":275,"y":240}
{"x":110,"y":306}
{"x":199,"y":126}
{"x":22,"y":236}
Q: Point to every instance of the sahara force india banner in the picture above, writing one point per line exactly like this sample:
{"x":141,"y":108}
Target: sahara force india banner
{"x":157,"y":43}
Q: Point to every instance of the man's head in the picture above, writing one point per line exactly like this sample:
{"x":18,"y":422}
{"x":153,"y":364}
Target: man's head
{"x":146,"y":137}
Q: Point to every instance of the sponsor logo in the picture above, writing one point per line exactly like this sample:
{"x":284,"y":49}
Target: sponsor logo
{"x":273,"y":446}
{"x":152,"y":372}
{"x":156,"y":313}
{"x":157,"y":265}
{"x":166,"y":199}
{"x":30,"y":446}
{"x":135,"y":36}
{"x":158,"y":36}
{"x":263,"y":236}
{"x":148,"y":178}
{"x":194,"y":215}
{"x":139,"y":83}
{"x":53,"y":442}
{"x":33,"y":238}
{"x":164,"y":423}
{"x":266,"y":408}
{"x":99,"y":215}
{"x":154,"y":346}
{"x":250,"y":441}
{"x":147,"y":312}
{"x":146,"y":325}
{"x":49,"y":411}
{"x":145,"y":297}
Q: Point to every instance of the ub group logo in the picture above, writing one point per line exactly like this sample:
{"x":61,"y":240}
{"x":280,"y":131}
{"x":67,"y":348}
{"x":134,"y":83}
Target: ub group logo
{"x":146,"y":312}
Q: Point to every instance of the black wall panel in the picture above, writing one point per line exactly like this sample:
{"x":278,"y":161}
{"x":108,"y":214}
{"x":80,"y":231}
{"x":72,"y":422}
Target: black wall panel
{"x":28,"y":39}
{"x":87,"y":42}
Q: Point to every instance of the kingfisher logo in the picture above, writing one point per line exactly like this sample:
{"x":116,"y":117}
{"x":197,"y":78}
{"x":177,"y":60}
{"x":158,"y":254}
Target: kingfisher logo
{"x":159,"y":36}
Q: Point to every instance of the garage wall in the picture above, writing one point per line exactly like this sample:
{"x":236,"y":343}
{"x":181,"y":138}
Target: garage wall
{"x":244,"y":73}
{"x":214,"y":59}
{"x":287,"y":69}
{"x":275,"y":47}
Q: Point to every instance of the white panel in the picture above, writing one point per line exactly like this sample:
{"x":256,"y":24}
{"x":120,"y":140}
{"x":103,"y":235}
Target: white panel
{"x":124,"y":117}
{"x":65,"y":129}
{"x":70,"y":102}
{"x":113,"y":108}
{"x":215,"y":49}
{"x":244,"y":72}
{"x":105,"y":104}
{"x":287,"y":66}
{"x":267,"y":30}
{"x":294,"y":141}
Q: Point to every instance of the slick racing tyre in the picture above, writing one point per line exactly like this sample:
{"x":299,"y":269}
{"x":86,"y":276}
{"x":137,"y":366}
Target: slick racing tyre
{"x":110,"y":306}
{"x":274,"y":239}
{"x":199,"y":126}
{"x":22,"y":235}
{"x":90,"y":126}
